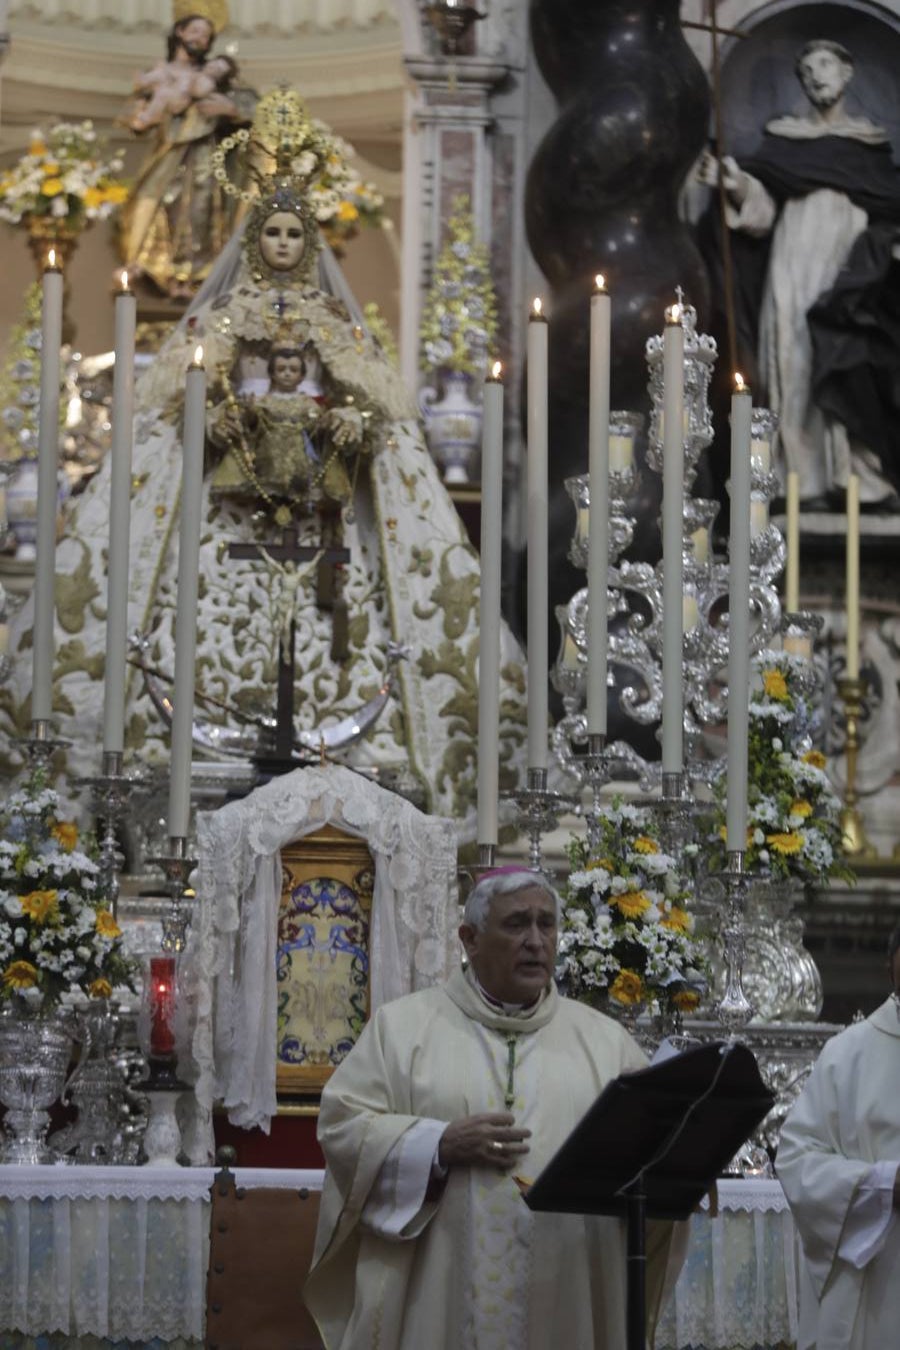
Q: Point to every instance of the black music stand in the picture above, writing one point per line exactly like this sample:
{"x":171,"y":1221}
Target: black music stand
{"x":651,"y":1147}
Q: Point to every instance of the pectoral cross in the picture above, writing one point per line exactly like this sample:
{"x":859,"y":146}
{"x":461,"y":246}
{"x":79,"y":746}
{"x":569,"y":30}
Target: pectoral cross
{"x":288,"y":549}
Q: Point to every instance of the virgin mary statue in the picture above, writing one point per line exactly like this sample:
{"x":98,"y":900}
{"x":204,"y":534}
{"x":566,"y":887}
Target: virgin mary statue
{"x":311,"y":438}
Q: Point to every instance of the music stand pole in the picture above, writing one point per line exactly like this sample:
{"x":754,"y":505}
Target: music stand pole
{"x":636,"y":1265}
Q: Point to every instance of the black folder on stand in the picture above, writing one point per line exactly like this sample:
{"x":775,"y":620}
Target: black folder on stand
{"x":652,"y":1145}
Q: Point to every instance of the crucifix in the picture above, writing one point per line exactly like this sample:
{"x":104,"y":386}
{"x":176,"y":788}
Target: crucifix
{"x":286,"y":551}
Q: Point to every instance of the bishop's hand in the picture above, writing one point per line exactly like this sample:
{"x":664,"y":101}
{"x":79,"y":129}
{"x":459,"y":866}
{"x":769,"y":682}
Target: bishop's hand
{"x":489,"y":1140}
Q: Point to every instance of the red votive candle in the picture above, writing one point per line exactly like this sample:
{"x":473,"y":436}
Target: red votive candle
{"x":162,"y":1005}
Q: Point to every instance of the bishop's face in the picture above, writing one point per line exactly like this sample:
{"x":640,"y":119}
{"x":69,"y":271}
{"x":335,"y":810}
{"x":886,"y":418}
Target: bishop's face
{"x":514,"y":955}
{"x":281,"y":241}
{"x":824,"y":77}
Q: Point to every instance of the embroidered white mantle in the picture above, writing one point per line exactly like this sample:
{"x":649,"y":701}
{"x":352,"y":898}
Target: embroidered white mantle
{"x":228,"y":974}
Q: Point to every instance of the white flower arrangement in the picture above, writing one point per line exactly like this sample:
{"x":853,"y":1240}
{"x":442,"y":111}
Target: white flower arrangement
{"x":59,"y":943}
{"x":627,"y":934}
{"x":64,"y":175}
{"x":341,"y":198}
{"x":459,"y":318}
{"x":793,"y":812}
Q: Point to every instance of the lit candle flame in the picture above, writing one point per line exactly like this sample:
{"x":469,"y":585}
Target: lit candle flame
{"x":537,"y":306}
{"x":496,"y":370}
{"x":600,"y":281}
{"x":673,"y":314}
{"x":124,"y":280}
{"x":198,"y":356}
{"x":739,"y":383}
{"x":51,"y":258}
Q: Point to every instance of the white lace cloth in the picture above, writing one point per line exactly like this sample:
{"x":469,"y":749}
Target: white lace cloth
{"x":738,"y":1286}
{"x":122,"y":1252}
{"x":113,"y":1252}
{"x":228,"y":972}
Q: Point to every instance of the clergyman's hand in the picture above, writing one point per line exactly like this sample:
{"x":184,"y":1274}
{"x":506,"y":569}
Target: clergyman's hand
{"x":489,"y":1140}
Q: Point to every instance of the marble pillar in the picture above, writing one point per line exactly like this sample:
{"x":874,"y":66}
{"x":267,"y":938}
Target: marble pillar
{"x":602,"y":195}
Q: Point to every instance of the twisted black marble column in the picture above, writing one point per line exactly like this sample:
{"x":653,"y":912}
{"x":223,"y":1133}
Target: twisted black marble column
{"x":602,"y":196}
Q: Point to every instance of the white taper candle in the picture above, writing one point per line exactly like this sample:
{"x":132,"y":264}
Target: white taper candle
{"x":538,"y":538}
{"x":598,"y":529}
{"x":738,"y":620}
{"x":188,"y":585}
{"x":119,"y":522}
{"x":673,"y":542}
{"x":489,"y":608}
{"x":792,"y":544}
{"x":48,"y":491}
{"x":853,"y":577}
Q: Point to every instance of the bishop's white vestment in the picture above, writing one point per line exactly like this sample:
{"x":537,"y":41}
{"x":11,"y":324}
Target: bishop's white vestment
{"x":402,"y":1265}
{"x":837,"y":1161}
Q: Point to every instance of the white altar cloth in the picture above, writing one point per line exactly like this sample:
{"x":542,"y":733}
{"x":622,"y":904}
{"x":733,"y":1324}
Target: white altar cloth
{"x":120,"y":1254}
{"x":738,"y":1286}
{"x":117,"y":1253}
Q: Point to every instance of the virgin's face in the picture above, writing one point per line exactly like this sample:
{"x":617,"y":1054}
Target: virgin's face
{"x":281,"y":241}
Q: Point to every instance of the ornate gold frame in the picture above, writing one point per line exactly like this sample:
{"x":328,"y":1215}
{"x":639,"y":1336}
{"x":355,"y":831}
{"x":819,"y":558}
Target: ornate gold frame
{"x":326,"y":853}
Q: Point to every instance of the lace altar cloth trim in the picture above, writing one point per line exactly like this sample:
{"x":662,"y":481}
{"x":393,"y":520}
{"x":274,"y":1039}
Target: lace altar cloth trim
{"x":140,"y":1183}
{"x":738,"y":1287}
{"x":752,"y":1195}
{"x":118,"y":1253}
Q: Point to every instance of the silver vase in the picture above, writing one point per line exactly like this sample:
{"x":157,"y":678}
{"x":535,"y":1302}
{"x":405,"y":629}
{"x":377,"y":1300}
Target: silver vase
{"x":95,"y":1089}
{"x":35,"y":1051}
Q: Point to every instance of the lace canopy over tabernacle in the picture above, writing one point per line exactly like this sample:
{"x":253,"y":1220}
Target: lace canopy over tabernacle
{"x":229,"y":966}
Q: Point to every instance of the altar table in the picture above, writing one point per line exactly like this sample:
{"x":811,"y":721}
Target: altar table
{"x":108,"y":1256}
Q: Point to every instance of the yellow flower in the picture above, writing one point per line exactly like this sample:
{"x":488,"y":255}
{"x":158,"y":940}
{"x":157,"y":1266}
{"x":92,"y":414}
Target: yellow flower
{"x":677,"y":919}
{"x":627,"y":987}
{"x":50,"y":169}
{"x":631,"y":903}
{"x":605,"y":863}
{"x":20,"y":975}
{"x":37,"y":147}
{"x":51,"y":187}
{"x":65,"y":832}
{"x":115,"y":194}
{"x":686,"y":1000}
{"x":801,"y":808}
{"x":348,"y":212}
{"x":93,"y":196}
{"x":775,"y":685}
{"x":644,"y":844}
{"x":785,"y":843}
{"x":815,"y":758}
{"x":106,"y":924}
{"x":100,"y":988}
{"x":40,"y":905}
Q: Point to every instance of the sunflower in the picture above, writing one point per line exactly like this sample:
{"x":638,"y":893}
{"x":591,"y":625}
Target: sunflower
{"x":99,"y":988}
{"x":686,"y":1000}
{"x":627,"y":988}
{"x":815,"y":758}
{"x":106,"y":924}
{"x":801,"y":808}
{"x":40,"y":906}
{"x":20,"y":975}
{"x":785,"y":844}
{"x":644,"y":844}
{"x":775,"y":685}
{"x":631,"y":904}
{"x":65,"y":832}
{"x":677,"y":919}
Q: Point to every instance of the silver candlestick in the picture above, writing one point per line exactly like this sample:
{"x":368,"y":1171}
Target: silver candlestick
{"x":111,"y":792}
{"x":177,"y":868}
{"x":539,"y":810}
{"x":734,"y":1009}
